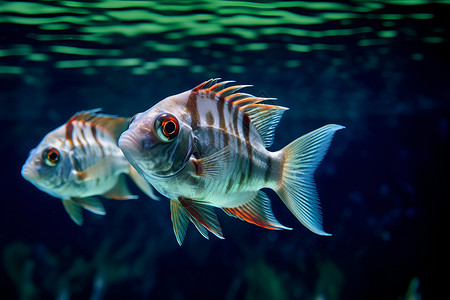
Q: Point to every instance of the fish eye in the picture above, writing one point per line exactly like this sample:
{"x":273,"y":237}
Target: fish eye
{"x":51,"y":156}
{"x":167,"y":127}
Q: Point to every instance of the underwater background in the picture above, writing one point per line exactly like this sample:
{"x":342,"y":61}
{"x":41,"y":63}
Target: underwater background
{"x":381,"y":68}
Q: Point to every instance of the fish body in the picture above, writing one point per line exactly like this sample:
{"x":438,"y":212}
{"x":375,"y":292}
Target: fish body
{"x":206,"y":148}
{"x":81,"y":159}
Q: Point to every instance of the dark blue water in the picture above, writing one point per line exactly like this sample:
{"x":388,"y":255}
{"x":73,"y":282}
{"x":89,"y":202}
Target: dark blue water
{"x":382,"y":185}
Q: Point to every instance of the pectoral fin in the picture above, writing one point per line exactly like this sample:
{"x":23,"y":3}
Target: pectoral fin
{"x":102,"y":168}
{"x":257,"y":211}
{"x":120,"y":191}
{"x":204,"y":214}
{"x":210,"y":166}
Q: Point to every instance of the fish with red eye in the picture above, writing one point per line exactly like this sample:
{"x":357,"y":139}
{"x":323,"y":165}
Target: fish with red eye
{"x":51,"y":156}
{"x":80,"y":160}
{"x":211,"y":151}
{"x":167,"y":127}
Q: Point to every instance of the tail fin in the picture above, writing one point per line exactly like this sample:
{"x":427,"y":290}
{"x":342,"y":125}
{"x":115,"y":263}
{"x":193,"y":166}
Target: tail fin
{"x":297,"y":188}
{"x":142,"y":184}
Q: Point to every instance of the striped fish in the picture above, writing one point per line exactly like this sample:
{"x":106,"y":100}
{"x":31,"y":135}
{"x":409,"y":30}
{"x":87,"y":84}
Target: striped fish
{"x":206,"y":148}
{"x":81,"y":159}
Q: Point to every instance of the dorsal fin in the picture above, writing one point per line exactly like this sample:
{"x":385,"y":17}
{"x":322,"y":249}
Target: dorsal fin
{"x":112,"y":124}
{"x":265,"y":117}
{"x":206,"y":84}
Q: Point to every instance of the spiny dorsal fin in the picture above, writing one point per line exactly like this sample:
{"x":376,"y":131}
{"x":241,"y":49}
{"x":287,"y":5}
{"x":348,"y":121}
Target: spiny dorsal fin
{"x":265,"y":117}
{"x":112,"y":124}
{"x":206,"y":84}
{"x":102,"y":168}
{"x":257,"y":211}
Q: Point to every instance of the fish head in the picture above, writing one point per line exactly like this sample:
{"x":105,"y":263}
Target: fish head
{"x":157,"y":143}
{"x":48,"y":166}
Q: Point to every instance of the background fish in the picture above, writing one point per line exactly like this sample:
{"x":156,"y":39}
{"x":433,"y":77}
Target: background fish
{"x":207,"y":148}
{"x":81,"y":159}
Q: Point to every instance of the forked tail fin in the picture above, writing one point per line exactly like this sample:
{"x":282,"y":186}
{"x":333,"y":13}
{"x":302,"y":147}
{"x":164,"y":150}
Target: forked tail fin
{"x":297,"y":188}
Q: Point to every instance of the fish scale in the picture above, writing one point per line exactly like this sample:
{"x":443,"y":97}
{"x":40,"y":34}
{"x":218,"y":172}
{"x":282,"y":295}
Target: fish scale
{"x":229,"y":119}
{"x":243,"y":165}
{"x":217,"y":142}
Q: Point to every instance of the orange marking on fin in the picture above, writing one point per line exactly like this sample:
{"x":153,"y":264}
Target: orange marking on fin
{"x":238,"y":212}
{"x":201,"y":85}
{"x":235,"y":95}
{"x":197,"y":213}
{"x":252,"y":100}
{"x":217,"y":85}
{"x":230,"y":88}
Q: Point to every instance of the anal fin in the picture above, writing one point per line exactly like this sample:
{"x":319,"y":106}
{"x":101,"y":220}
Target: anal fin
{"x":102,"y":168}
{"x":257,"y":211}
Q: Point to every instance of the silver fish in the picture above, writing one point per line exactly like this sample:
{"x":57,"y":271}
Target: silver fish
{"x":206,"y":148}
{"x":81,"y":159}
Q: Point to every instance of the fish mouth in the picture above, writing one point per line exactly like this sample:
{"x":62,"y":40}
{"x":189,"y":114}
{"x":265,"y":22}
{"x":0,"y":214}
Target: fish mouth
{"x":130,"y":145}
{"x":136,"y":153}
{"x":29,"y":173}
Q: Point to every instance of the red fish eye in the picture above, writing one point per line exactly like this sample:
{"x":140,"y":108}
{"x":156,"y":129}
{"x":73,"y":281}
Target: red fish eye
{"x":167,"y":127}
{"x":51,"y":156}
